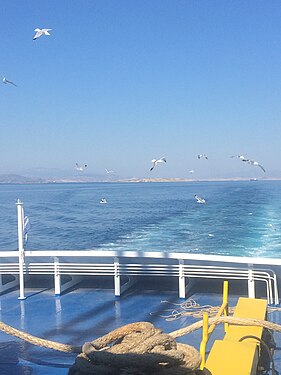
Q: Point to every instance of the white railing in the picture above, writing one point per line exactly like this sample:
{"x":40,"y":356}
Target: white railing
{"x":133,"y":264}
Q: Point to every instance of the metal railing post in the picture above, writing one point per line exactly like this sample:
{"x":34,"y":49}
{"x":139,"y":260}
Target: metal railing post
{"x":181,"y":279}
{"x":225,"y":302}
{"x":57,"y":280}
{"x":117,"y":284}
{"x":251,"y":282}
{"x":276,"y":297}
{"x":205,"y":339}
{"x":19,"y":205}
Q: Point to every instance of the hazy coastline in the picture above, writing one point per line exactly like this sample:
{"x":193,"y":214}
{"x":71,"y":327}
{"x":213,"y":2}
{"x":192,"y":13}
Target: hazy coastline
{"x":18,"y":179}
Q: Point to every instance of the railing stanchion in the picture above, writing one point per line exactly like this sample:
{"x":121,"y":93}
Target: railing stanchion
{"x":117,"y":284}
{"x":57,"y":276}
{"x":181,"y":279}
{"x":20,"y":213}
{"x":251,"y":282}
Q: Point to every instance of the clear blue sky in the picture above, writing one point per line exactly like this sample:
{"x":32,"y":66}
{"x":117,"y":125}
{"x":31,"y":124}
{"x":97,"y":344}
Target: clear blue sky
{"x":119,"y":83}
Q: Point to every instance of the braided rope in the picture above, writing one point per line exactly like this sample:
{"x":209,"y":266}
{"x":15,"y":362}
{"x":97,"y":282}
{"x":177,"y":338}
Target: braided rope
{"x":227,"y":319}
{"x":136,"y":348}
{"x":100,"y":342}
{"x":38,"y":341}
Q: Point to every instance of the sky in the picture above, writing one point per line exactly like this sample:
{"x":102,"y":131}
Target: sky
{"x":121,"y":82}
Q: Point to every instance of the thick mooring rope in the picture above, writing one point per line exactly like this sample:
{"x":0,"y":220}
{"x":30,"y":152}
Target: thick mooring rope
{"x":38,"y":341}
{"x":227,"y":319}
{"x":137,"y":349}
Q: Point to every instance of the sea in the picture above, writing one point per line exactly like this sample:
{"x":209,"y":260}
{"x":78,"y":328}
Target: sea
{"x":239,"y":218}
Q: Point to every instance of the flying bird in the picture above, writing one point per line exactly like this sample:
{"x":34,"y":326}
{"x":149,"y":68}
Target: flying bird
{"x":255,"y":163}
{"x":199,"y":199}
{"x":191,"y":171}
{"x":241,"y":157}
{"x":201,"y":156}
{"x":6,"y":81}
{"x":251,"y":162}
{"x":156,"y":161}
{"x":81,"y":167}
{"x":40,"y":32}
{"x":108,"y":171}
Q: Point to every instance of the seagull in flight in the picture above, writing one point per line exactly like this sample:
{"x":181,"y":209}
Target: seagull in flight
{"x":156,"y":161}
{"x":40,"y":32}
{"x":241,"y":157}
{"x":191,"y":171}
{"x":199,"y":200}
{"x":201,"y":156}
{"x":253,"y":162}
{"x":81,"y":167}
{"x":4,"y":80}
{"x":108,"y":171}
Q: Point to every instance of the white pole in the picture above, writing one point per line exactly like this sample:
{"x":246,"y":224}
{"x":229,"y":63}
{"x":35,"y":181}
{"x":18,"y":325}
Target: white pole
{"x":57,"y":276}
{"x":19,"y":205}
{"x":117,"y":285}
{"x":181,"y":279}
{"x":251,"y":282}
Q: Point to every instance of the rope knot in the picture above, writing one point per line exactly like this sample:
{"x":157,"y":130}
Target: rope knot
{"x":136,"y":349}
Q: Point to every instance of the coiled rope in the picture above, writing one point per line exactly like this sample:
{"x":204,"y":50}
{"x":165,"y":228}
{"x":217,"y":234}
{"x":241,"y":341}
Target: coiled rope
{"x":190,"y":308}
{"x":137,"y":349}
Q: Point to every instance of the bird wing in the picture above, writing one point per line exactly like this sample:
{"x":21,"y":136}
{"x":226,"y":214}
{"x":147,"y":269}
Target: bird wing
{"x":261,"y":167}
{"x":239,"y":157}
{"x":38,"y":34}
{"x":12,"y":83}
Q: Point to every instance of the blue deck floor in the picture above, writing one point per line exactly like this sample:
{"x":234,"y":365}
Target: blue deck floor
{"x":84,"y":314}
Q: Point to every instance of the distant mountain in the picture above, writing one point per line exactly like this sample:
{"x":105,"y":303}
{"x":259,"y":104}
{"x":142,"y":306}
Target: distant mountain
{"x":17,"y":179}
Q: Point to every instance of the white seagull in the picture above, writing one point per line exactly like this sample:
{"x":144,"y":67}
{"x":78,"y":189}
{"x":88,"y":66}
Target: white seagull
{"x":191,"y":171}
{"x":156,"y":161}
{"x":4,"y":80}
{"x":199,"y":200}
{"x":81,"y":167}
{"x":253,"y":162}
{"x":40,"y":32}
{"x":241,"y":157}
{"x":108,"y":171}
{"x":200,"y":156}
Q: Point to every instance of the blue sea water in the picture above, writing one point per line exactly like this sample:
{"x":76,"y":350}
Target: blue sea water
{"x":240,"y":218}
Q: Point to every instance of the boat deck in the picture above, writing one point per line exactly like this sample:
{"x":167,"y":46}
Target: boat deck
{"x":90,"y":310}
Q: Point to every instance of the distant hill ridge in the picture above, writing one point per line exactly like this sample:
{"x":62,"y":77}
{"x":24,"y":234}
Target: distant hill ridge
{"x":17,"y":179}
